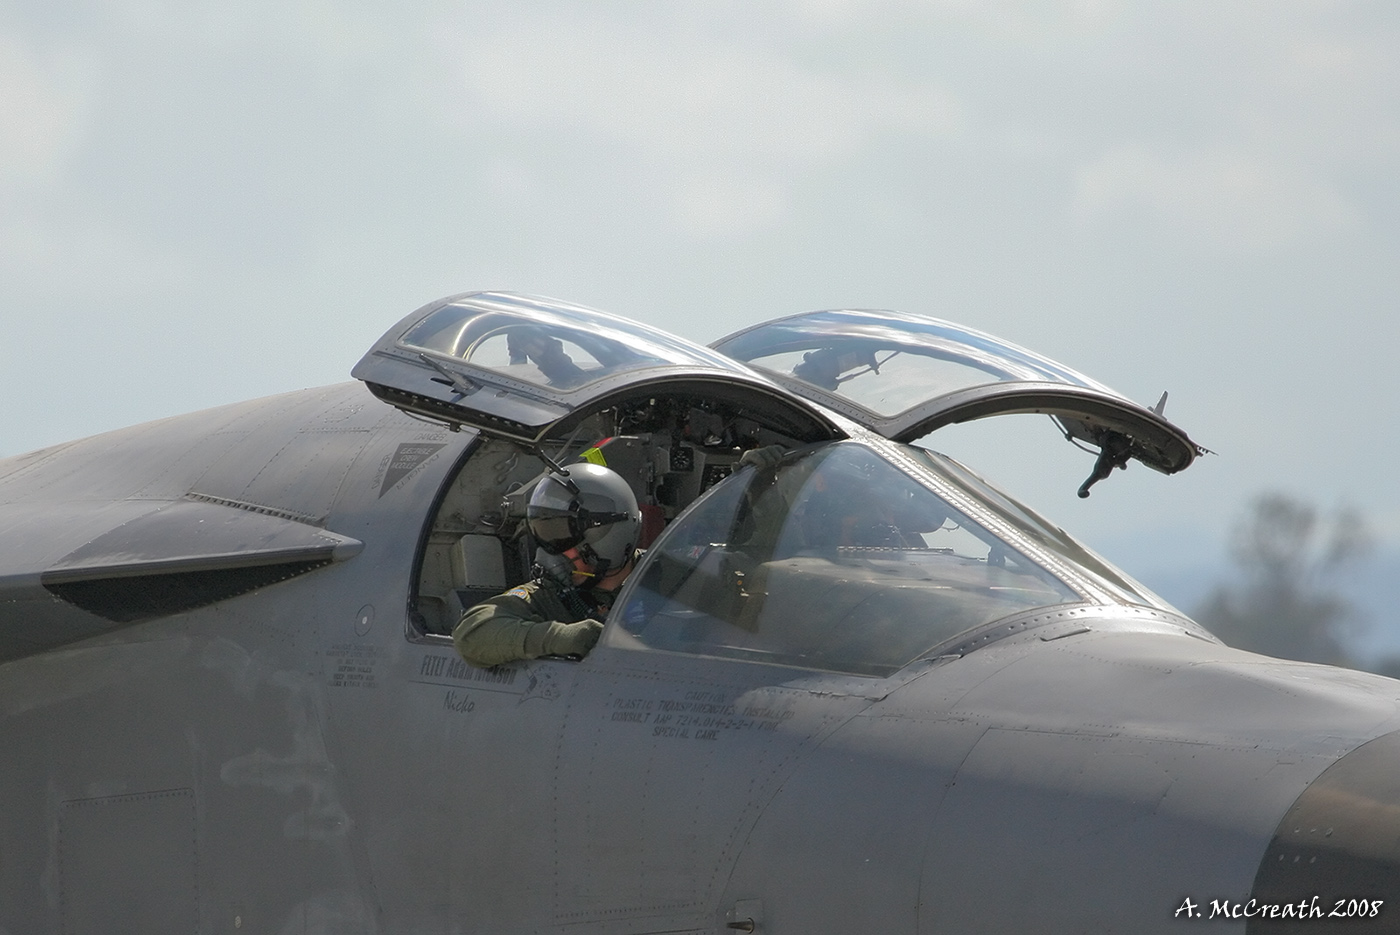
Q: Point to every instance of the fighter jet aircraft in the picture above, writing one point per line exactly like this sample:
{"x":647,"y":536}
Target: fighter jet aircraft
{"x":856,"y":688}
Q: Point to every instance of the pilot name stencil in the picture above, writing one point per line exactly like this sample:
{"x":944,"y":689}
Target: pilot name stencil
{"x":437,"y":668}
{"x":697,"y":716}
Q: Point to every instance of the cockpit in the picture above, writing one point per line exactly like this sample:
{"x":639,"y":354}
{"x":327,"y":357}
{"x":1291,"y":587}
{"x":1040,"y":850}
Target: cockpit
{"x":837,"y":558}
{"x":853,"y":552}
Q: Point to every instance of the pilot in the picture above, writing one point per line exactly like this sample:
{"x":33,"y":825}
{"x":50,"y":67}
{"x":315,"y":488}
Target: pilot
{"x":587,"y":524}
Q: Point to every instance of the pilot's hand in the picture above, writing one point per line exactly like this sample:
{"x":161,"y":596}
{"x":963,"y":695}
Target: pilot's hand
{"x":763,"y":458}
{"x":572,"y":639}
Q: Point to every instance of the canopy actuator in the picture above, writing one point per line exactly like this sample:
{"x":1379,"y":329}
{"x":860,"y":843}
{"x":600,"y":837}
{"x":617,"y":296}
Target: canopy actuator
{"x":1114,"y":449}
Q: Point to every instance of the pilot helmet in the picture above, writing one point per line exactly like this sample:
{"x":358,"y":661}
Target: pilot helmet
{"x":590,"y":507}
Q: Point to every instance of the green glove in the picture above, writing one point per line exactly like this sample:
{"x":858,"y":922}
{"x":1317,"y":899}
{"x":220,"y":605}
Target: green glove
{"x":572,"y":639}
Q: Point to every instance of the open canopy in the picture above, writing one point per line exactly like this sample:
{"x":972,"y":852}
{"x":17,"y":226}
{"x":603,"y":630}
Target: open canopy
{"x":905,"y":376}
{"x":521,"y":367}
{"x":517,"y":366}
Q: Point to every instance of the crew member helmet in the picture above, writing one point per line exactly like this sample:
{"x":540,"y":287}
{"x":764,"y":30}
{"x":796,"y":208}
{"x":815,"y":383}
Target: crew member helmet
{"x":590,"y":507}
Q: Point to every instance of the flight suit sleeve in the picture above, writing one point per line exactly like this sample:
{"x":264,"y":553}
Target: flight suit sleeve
{"x":521,"y":624}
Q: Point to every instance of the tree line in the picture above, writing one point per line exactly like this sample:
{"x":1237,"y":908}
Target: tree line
{"x":1287,"y":595}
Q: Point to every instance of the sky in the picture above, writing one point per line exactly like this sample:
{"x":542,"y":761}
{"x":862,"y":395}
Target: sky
{"x":203,"y":202}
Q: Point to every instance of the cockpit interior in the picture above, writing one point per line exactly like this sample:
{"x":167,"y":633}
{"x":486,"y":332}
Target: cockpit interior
{"x":851,"y":551}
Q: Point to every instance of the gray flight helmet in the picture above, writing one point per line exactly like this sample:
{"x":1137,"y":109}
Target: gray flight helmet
{"x":589,"y":507}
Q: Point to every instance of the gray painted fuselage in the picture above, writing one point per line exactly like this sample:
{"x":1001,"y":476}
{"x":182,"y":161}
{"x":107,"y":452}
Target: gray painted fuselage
{"x":302,"y":757}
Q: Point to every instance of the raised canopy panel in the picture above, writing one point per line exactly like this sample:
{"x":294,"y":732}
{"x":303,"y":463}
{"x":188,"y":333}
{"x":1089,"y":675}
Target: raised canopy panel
{"x":516,"y":366}
{"x":906,"y":375}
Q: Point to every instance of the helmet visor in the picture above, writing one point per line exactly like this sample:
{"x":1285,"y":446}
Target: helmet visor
{"x":558,"y":530}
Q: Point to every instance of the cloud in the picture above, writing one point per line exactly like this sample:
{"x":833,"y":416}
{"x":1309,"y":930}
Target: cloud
{"x":40,"y":111}
{"x":1235,"y":199}
{"x":324,"y":33}
{"x":696,"y":102}
{"x":1025,"y":20}
{"x":724,"y":127}
{"x":716,"y":205}
{"x":45,"y":112}
{"x":62,"y":256}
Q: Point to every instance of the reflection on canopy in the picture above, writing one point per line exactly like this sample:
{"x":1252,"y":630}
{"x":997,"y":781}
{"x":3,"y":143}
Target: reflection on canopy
{"x":889,"y":362}
{"x":836,"y":560}
{"x":550,"y":345}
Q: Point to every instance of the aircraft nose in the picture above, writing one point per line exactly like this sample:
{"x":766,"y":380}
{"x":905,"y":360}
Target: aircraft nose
{"x":1335,"y":857}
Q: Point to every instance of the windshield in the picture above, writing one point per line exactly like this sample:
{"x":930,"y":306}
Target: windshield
{"x":834,"y":559}
{"x":1040,"y":530}
{"x":553,"y":345}
{"x":889,"y":362}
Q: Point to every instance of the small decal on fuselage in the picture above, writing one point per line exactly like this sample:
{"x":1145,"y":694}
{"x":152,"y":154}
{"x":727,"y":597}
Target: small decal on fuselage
{"x":541,"y":685}
{"x":406,"y":459}
{"x":353,"y":665}
{"x":698,"y":715}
